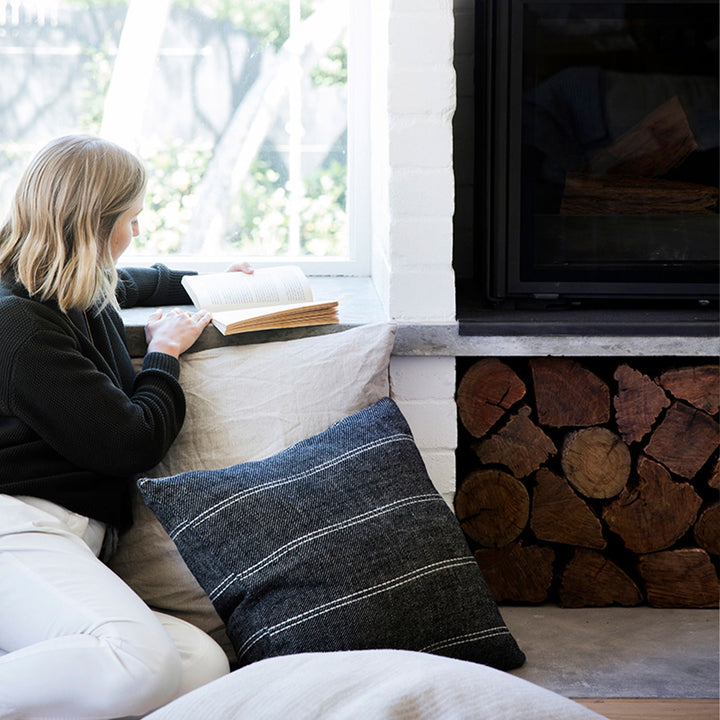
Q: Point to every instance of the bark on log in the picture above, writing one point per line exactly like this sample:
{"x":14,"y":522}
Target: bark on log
{"x":655,"y":512}
{"x":699,"y":386}
{"x":680,"y":578}
{"x":707,"y":529}
{"x":487,"y":390}
{"x":638,"y":403}
{"x":714,"y":481}
{"x":517,"y":572}
{"x":596,"y":462}
{"x":684,"y":440}
{"x":492,"y":507}
{"x":567,"y":394}
{"x":520,"y":445}
{"x":591,"y":580}
{"x":559,"y":515}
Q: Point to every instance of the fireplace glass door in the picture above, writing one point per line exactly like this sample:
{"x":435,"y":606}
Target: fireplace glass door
{"x":605,"y":121}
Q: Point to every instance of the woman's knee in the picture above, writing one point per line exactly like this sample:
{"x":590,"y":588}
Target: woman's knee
{"x":149,"y":674}
{"x":203,"y":660}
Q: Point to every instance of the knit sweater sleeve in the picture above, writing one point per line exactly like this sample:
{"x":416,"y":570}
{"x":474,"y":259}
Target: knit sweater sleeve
{"x":59,"y":393}
{"x":156,"y":285}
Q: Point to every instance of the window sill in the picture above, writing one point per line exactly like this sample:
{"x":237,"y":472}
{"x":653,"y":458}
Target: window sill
{"x":358,"y":301}
{"x":359,"y":304}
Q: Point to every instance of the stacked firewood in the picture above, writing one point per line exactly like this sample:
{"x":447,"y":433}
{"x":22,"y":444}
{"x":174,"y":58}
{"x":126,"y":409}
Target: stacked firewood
{"x":592,"y":486}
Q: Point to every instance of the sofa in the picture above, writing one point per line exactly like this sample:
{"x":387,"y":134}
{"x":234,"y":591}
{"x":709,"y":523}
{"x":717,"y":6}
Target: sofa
{"x":294,"y":521}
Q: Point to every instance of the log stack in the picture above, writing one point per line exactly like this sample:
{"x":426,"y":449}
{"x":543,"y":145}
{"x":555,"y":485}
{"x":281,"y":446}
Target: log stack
{"x":590,"y":482}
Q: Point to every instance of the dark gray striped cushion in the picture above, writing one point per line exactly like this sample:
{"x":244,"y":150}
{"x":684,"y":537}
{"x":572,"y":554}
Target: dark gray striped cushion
{"x":340,"y":542}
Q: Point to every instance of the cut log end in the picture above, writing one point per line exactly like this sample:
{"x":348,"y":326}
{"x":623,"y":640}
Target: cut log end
{"x":568,"y":394}
{"x":517,"y":573}
{"x":680,"y":578}
{"x":685,"y":440}
{"x":655,"y":513}
{"x":487,"y":390}
{"x":521,"y":446}
{"x":707,"y":529}
{"x":559,"y":515}
{"x":592,"y":580}
{"x":596,"y":462}
{"x":492,"y":507}
{"x":638,"y":403}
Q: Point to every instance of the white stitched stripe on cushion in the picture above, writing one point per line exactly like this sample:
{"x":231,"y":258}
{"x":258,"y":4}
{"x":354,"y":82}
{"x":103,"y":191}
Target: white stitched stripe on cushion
{"x":355,"y":597}
{"x":319,"y":533}
{"x":237,"y":497}
{"x":468,"y":637}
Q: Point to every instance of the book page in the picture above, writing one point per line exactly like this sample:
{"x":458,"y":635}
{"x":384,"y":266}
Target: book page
{"x":266,"y":286}
{"x":294,"y":315}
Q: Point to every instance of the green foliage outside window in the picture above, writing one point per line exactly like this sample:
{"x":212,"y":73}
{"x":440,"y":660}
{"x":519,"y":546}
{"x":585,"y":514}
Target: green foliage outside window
{"x":256,"y":221}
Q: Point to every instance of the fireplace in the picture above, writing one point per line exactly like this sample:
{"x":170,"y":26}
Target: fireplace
{"x":596,"y":161}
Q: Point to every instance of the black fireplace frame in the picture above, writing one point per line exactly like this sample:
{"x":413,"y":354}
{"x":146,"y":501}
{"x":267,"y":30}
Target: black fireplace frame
{"x":497,"y":279}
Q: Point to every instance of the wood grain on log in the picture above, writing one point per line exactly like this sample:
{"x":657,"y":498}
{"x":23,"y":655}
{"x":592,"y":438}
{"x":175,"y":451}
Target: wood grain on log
{"x":699,"y":386}
{"x":680,"y":578}
{"x":520,"y":445}
{"x":596,"y":462}
{"x":591,"y":580}
{"x":684,"y":440}
{"x":516,"y":572}
{"x":641,"y":485}
{"x":567,"y":394}
{"x":638,"y":403}
{"x":714,"y":481}
{"x":654,"y":512}
{"x":707,"y":529}
{"x":559,"y":515}
{"x":487,"y":390}
{"x":492,"y":507}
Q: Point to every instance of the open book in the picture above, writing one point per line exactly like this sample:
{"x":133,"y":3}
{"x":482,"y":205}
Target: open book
{"x":278,"y":297}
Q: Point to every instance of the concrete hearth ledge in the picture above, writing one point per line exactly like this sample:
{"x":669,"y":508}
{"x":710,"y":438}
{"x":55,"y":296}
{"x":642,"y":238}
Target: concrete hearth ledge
{"x":618,"y":652}
{"x":359,"y":304}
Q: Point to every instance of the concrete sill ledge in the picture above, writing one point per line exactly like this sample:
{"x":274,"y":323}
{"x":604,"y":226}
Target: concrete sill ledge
{"x":359,"y":304}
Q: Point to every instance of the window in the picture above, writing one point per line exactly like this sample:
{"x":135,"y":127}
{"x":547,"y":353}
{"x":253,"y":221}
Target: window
{"x":239,"y":109}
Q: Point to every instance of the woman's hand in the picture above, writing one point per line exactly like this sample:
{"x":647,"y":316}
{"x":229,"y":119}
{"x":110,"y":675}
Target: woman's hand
{"x":172,"y":332}
{"x":241,"y":267}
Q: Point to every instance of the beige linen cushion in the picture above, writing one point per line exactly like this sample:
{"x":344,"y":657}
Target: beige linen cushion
{"x":247,"y":403}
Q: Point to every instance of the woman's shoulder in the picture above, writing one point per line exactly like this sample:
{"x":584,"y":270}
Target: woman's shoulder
{"x":23,"y":317}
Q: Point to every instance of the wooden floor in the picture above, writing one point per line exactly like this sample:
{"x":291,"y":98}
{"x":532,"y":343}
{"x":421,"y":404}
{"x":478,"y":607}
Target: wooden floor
{"x":653,"y":709}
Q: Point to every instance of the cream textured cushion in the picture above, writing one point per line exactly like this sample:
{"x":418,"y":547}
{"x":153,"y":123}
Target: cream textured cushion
{"x":371,"y":685}
{"x":247,"y":403}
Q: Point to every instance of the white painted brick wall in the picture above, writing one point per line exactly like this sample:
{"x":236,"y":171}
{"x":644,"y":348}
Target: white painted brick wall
{"x":423,"y":388}
{"x":413,"y":101}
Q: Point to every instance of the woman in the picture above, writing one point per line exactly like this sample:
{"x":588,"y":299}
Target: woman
{"x":77,"y":424}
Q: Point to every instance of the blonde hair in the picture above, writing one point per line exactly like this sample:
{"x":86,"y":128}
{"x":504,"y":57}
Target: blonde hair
{"x":56,"y":239}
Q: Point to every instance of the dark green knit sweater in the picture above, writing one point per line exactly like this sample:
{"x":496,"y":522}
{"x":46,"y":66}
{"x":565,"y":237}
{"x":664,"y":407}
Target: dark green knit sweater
{"x":76,"y":422}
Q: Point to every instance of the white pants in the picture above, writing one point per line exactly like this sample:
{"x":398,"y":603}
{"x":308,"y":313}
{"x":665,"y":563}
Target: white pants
{"x":75,"y":641}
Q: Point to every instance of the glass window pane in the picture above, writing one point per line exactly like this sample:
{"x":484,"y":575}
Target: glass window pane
{"x":237,"y":107}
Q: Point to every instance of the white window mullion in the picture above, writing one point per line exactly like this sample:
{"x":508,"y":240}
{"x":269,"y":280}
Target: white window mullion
{"x":295,"y":185}
{"x":359,"y":139}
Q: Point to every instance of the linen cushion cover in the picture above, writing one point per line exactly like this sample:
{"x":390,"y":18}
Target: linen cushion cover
{"x":371,"y":685}
{"x":245,"y":403}
{"x":339,"y":542}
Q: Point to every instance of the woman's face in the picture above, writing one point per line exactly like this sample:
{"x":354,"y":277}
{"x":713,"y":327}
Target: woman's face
{"x":125,"y":230}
